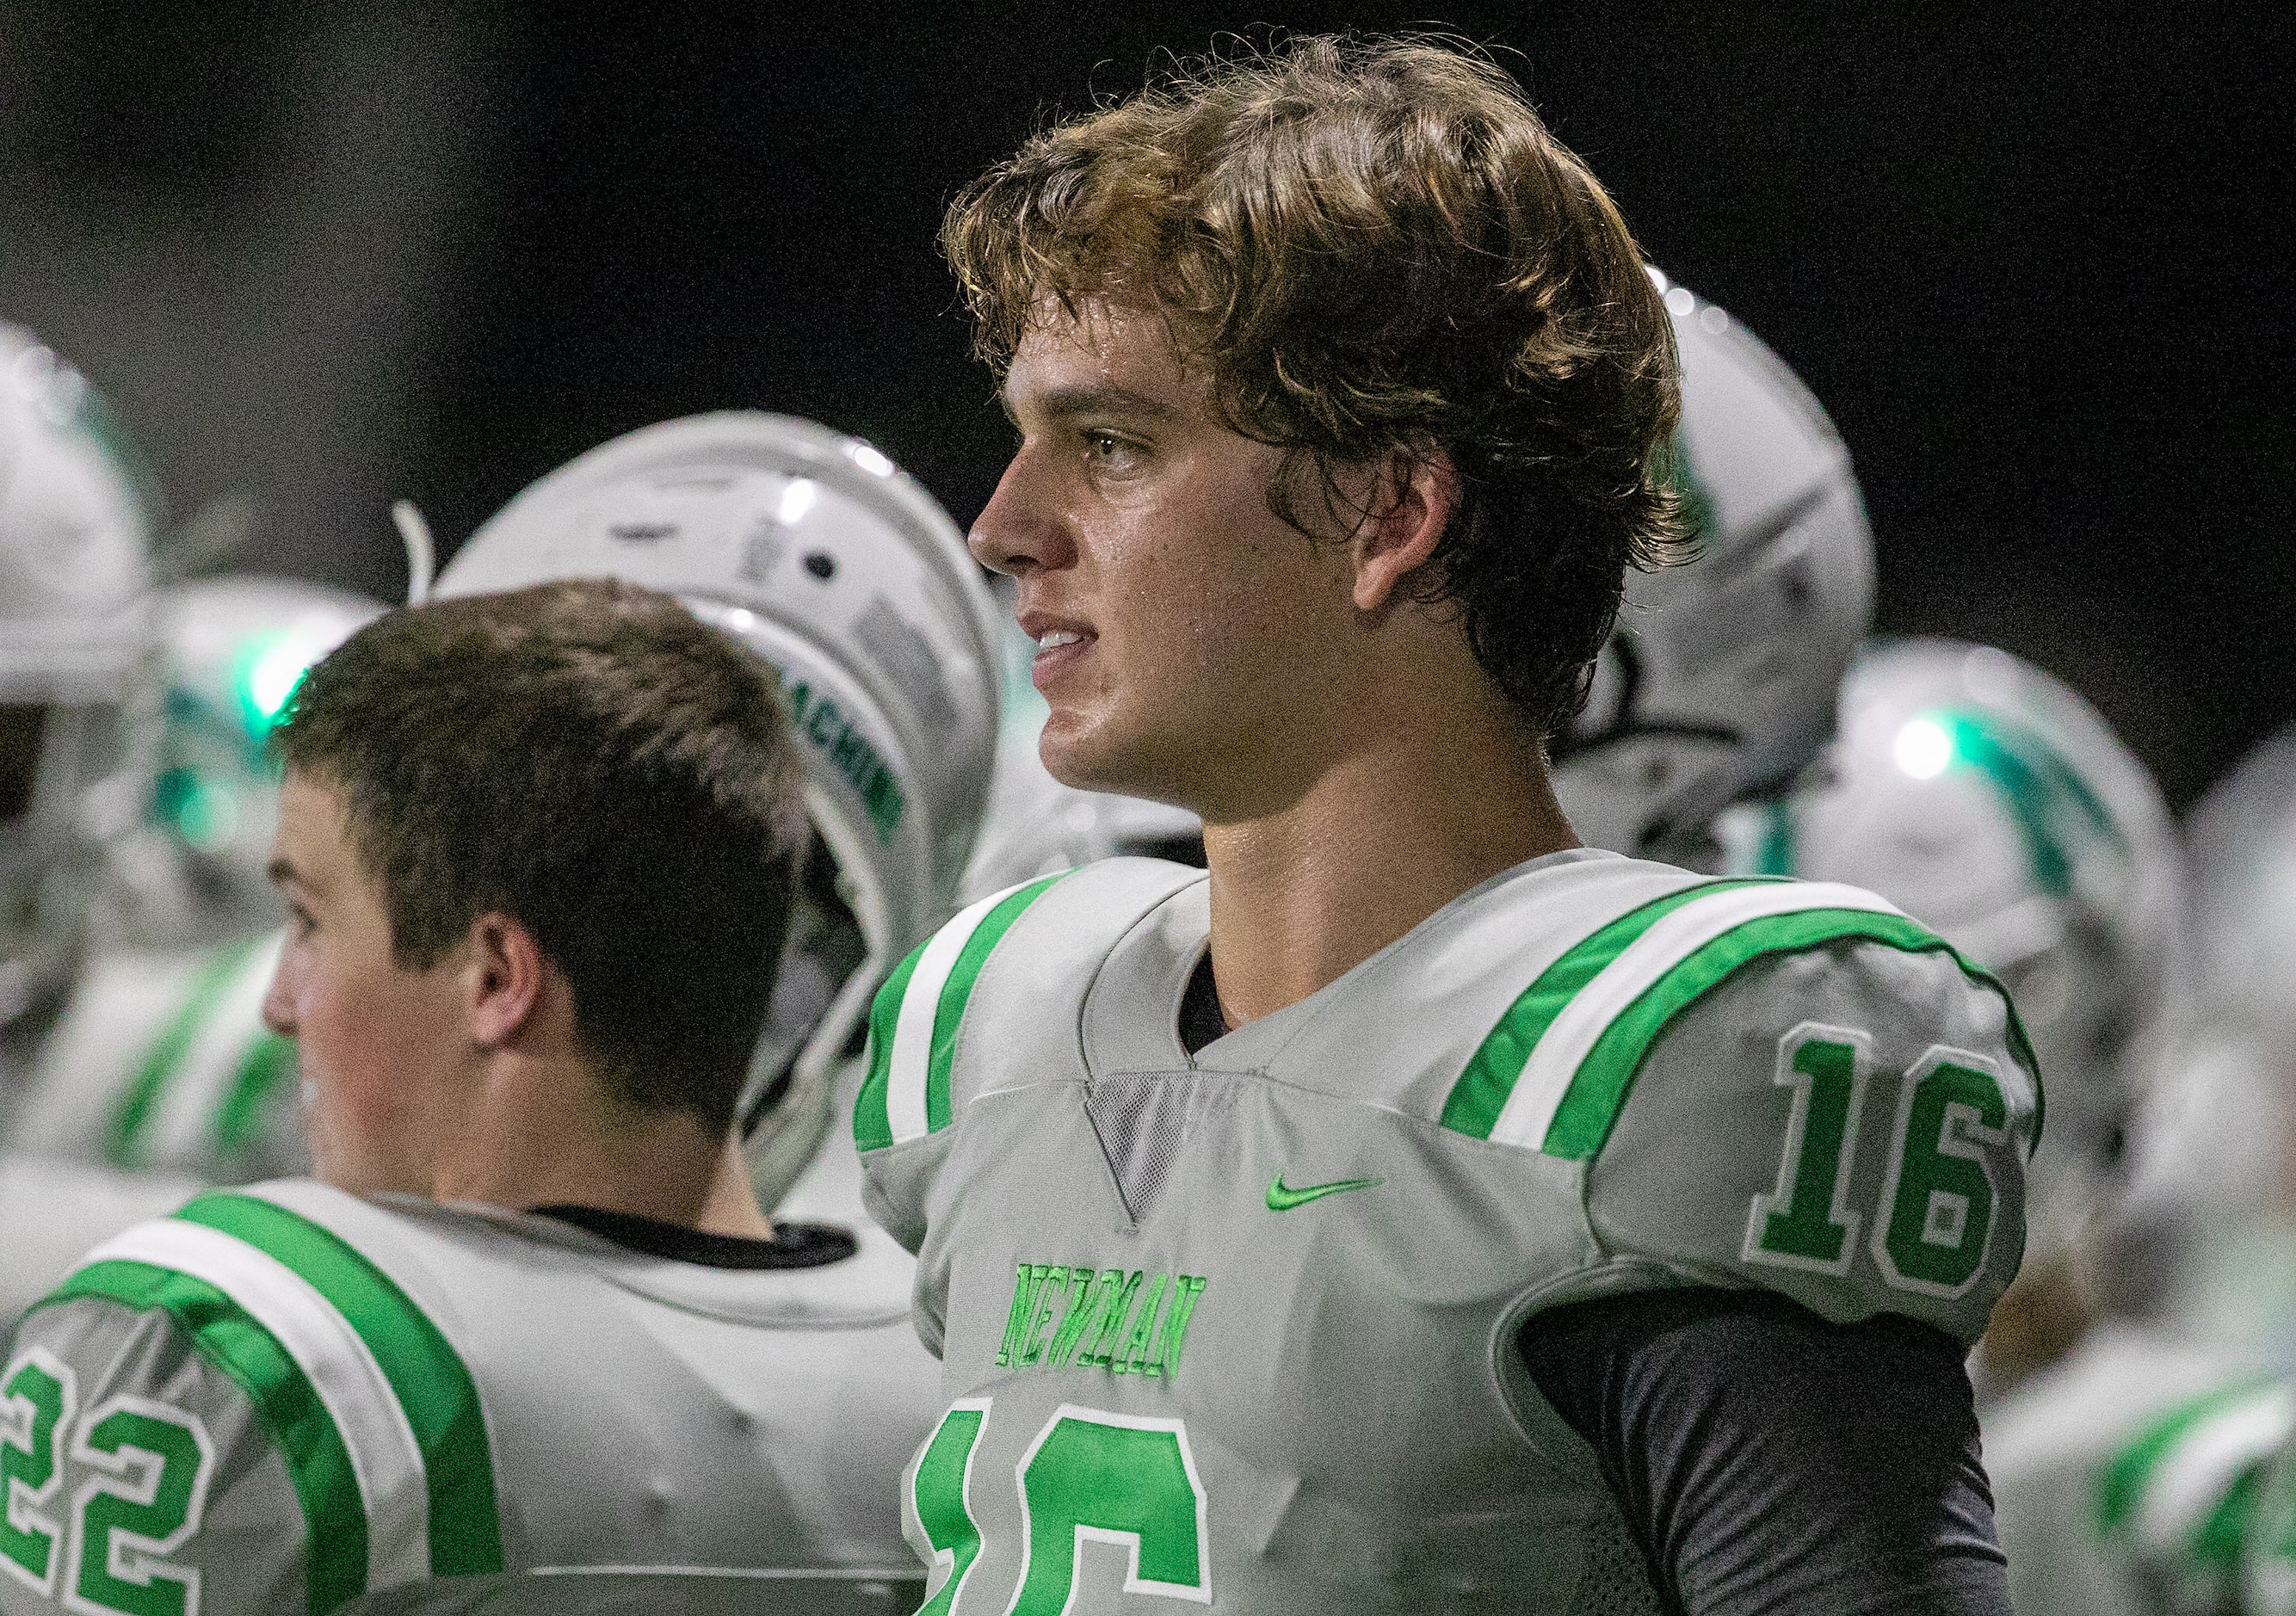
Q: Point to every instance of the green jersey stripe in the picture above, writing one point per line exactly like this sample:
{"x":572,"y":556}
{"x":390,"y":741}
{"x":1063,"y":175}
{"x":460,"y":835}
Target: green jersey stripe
{"x":125,"y":1144}
{"x":1599,"y":1086}
{"x":1481,"y":1093}
{"x":948,"y":1011}
{"x":2183,"y":1468}
{"x":318,"y":1464}
{"x":873,"y":1124}
{"x":434,"y":1390}
{"x":1546,"y":1077}
{"x":385,"y":1461}
{"x":924,"y":1004}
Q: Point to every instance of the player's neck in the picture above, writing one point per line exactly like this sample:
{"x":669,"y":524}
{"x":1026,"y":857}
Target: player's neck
{"x":532,"y":1140}
{"x":1437,"y":801}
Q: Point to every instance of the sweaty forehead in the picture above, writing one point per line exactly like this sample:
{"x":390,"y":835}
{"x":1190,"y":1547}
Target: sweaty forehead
{"x":1102,"y":356}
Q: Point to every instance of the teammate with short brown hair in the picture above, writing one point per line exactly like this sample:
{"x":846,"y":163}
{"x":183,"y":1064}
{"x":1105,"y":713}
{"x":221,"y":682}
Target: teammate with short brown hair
{"x":528,"y":1342}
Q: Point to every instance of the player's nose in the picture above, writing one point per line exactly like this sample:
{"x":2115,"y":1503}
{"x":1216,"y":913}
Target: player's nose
{"x":279,"y":998}
{"x":1019,"y":531}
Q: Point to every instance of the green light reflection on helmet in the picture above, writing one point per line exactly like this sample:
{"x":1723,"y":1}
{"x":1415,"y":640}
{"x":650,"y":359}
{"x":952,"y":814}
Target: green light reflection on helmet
{"x":268,"y":669}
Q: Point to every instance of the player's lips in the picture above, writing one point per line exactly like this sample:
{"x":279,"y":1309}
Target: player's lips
{"x":1062,"y":643}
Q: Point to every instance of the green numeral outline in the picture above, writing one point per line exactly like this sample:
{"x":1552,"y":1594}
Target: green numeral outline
{"x":37,"y":1400}
{"x":936,"y":1508}
{"x":1807,"y":1221}
{"x":1937,"y":1202}
{"x":1094,"y":1477}
{"x":153,"y":1463}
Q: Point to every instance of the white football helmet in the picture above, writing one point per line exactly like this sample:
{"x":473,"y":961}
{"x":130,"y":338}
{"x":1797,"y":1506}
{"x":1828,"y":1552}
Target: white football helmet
{"x":233,"y":649}
{"x":78,"y":685}
{"x":2242,"y":840}
{"x":1034,"y":825}
{"x":1996,"y":806}
{"x":1720,"y":675}
{"x":811,"y":551}
{"x":2213,"y":1150}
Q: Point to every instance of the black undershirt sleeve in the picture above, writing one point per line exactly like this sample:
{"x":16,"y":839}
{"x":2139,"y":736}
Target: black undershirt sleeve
{"x":1769,"y":1461}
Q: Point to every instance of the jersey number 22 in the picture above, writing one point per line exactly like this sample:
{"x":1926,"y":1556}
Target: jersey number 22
{"x":148,"y":1469}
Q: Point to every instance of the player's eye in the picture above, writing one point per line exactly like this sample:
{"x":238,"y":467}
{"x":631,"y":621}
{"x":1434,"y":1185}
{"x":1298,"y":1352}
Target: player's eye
{"x":300,"y":921}
{"x":1105,"y":452}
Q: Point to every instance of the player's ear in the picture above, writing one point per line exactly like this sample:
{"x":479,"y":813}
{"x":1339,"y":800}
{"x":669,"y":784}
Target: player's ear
{"x":1410,"y":506}
{"x":504,"y":972}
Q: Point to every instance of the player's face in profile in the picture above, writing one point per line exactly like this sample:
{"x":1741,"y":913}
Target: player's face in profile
{"x":373,"y":1038}
{"x":1181,"y":622}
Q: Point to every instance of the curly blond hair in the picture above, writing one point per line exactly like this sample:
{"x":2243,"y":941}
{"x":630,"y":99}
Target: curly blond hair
{"x":1376,"y":250}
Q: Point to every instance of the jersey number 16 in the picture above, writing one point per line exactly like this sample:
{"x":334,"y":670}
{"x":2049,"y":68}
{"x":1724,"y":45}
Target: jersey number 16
{"x":1088,"y":1476}
{"x":1935,"y":1221}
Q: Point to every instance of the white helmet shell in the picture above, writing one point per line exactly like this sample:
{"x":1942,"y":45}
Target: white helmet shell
{"x":2241,"y":839}
{"x":1995,"y":805}
{"x":1720,"y":675}
{"x":74,"y":537}
{"x":78,"y":682}
{"x":233,"y":649}
{"x":811,"y":550}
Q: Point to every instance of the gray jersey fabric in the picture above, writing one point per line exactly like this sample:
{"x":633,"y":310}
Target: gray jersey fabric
{"x":1237,"y":1330}
{"x":1742,"y":1439}
{"x":292,"y":1400}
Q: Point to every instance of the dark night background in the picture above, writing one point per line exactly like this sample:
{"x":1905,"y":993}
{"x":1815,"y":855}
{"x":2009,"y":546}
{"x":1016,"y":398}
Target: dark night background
{"x":325,"y":255}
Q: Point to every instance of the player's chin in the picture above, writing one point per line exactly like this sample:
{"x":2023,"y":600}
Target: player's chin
{"x":1083,"y":746}
{"x":1100,"y":752}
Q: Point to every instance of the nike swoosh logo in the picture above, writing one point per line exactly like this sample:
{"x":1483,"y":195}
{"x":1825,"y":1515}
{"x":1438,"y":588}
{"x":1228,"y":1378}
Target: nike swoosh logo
{"x":1282,"y":1198}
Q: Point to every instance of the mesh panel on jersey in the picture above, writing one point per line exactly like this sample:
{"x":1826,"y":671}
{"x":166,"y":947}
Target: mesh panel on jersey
{"x":1617,"y":1580}
{"x":1143,"y":1120}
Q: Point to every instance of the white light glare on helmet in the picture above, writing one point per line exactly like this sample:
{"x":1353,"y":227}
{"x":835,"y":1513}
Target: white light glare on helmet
{"x":1922,"y":748}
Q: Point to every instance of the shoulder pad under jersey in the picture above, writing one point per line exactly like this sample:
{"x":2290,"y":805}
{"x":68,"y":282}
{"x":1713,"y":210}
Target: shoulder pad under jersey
{"x":1782,"y":1084}
{"x":299,"y":1416}
{"x":1031,"y":952}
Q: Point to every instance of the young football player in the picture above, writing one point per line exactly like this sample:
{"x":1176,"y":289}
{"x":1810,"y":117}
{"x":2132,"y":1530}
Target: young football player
{"x":1420,"y":1212}
{"x":2136,"y":1476}
{"x":539,"y":849}
{"x":78,"y":714}
{"x":811,"y":551}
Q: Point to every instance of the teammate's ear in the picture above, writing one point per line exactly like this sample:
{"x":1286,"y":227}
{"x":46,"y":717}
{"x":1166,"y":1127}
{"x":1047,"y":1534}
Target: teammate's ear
{"x":505,"y":972}
{"x":1412,"y":505}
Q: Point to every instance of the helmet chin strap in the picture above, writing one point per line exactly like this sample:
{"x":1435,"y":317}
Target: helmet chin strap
{"x":1628,"y":721}
{"x":421,"y":554}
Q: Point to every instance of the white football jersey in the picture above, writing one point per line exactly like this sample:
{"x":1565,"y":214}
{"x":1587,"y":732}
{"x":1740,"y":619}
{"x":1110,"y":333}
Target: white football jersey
{"x":161,"y":1062}
{"x":157,"y":1077}
{"x":2119,"y":1474}
{"x":290,"y":1399}
{"x":1236,"y":1328}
